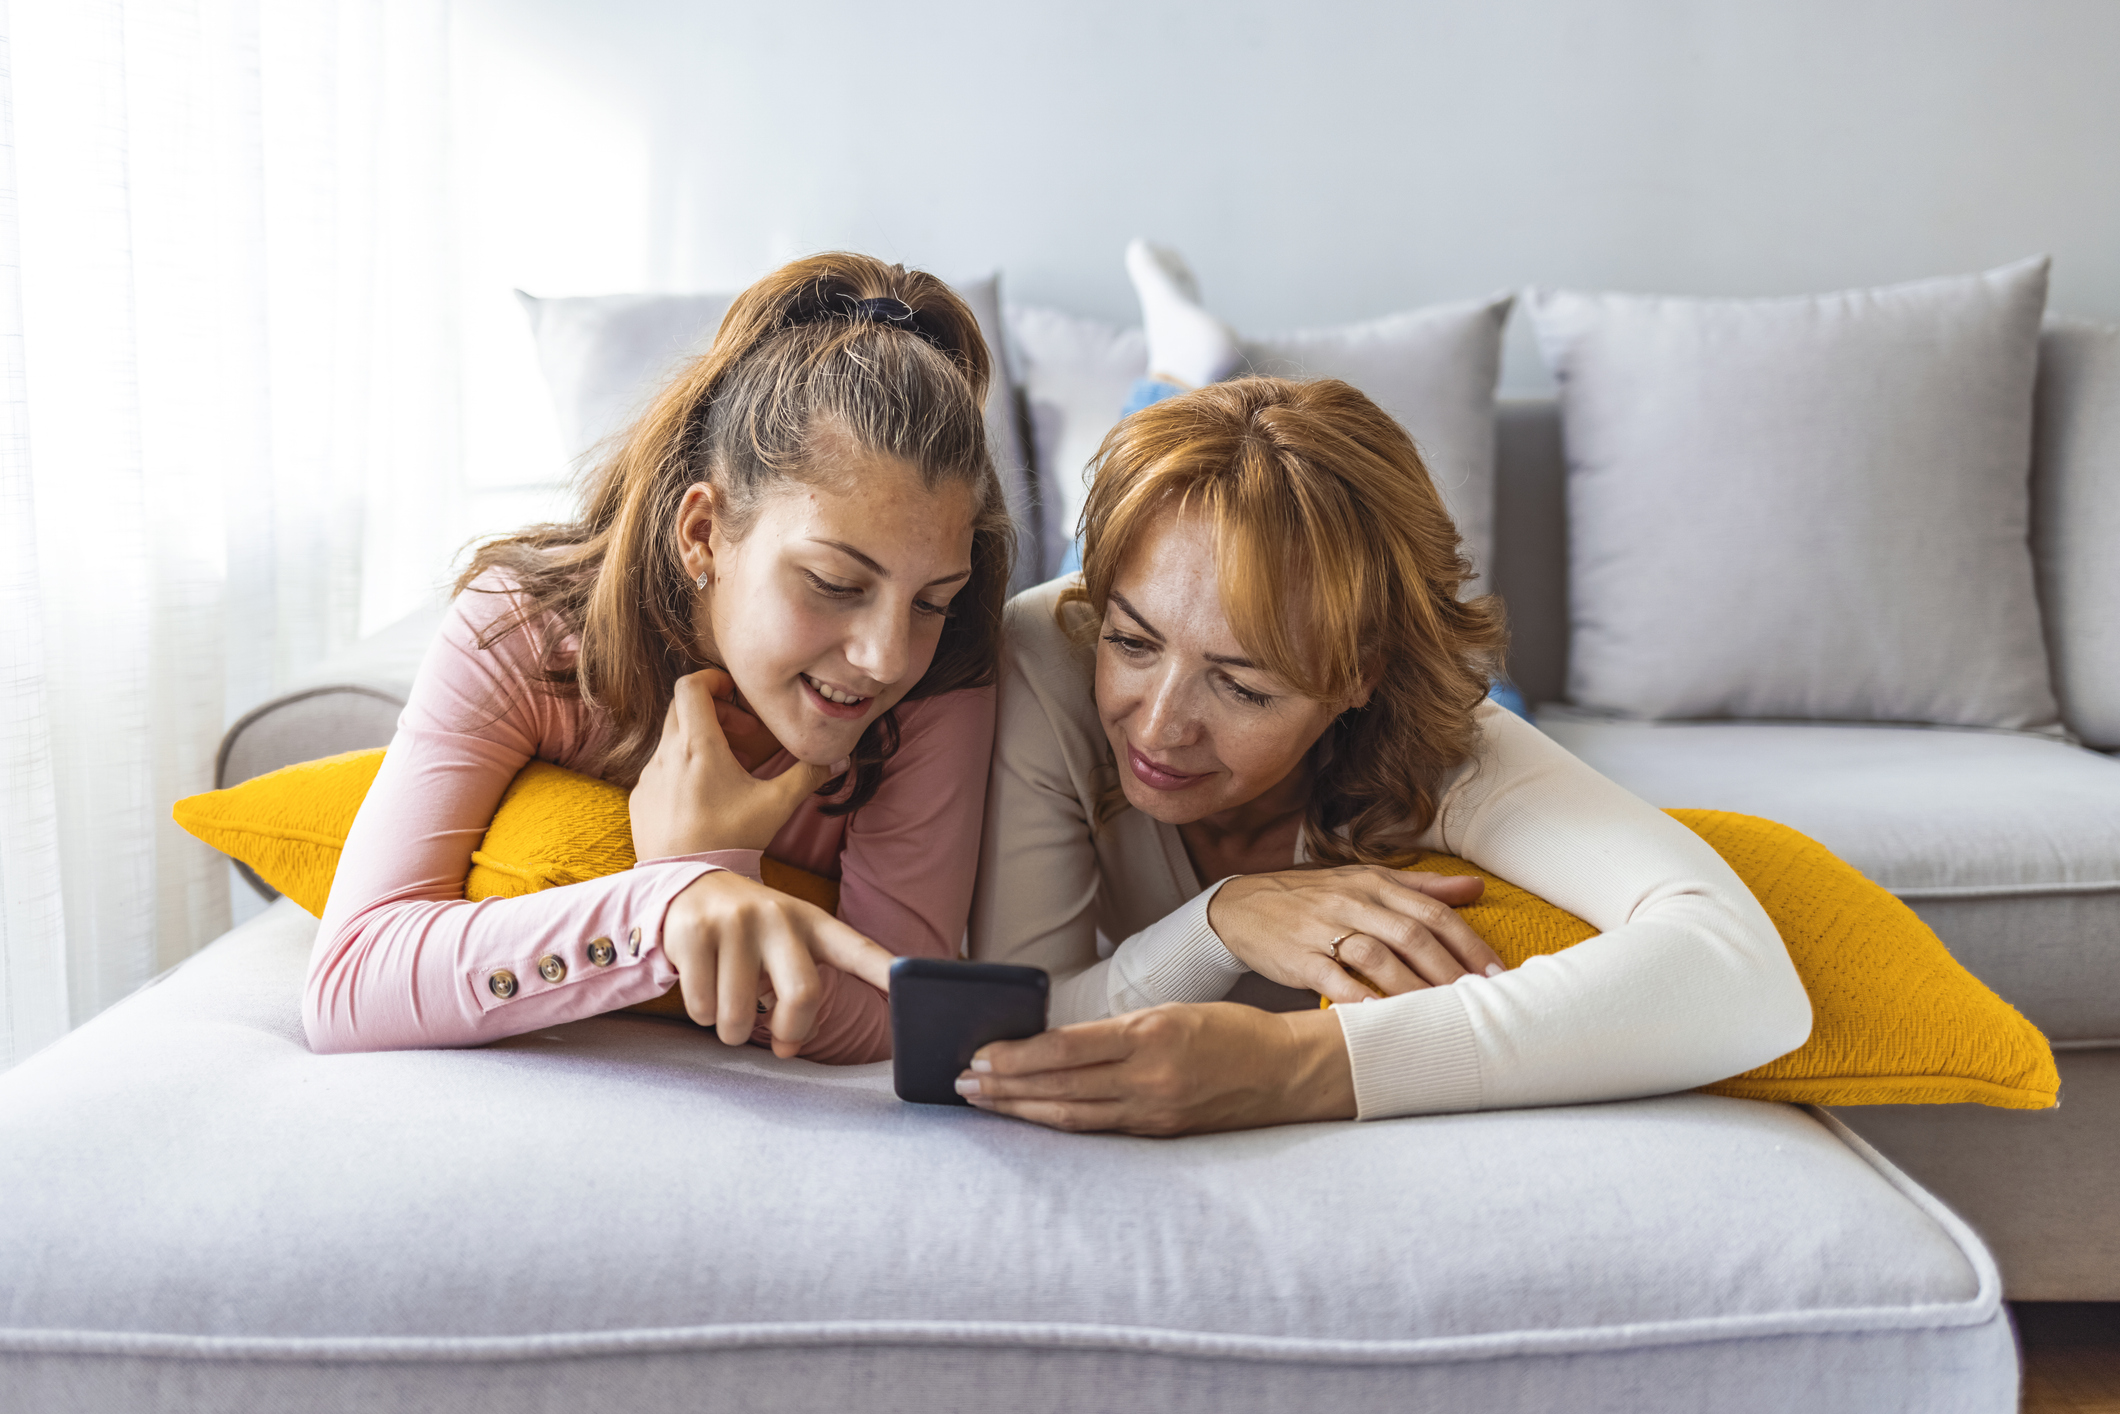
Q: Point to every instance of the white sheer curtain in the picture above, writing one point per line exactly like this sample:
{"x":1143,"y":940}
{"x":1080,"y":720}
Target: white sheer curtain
{"x":228,"y":439}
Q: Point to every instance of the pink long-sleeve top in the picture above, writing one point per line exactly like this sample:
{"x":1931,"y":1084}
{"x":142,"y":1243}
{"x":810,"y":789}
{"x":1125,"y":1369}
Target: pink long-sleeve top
{"x":403,"y":960}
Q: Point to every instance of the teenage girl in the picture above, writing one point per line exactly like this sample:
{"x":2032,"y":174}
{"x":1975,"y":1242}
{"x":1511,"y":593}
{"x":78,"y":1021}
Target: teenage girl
{"x":777,"y":621}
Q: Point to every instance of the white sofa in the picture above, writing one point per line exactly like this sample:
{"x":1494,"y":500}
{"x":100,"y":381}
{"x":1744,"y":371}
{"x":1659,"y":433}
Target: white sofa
{"x":198,"y":1214}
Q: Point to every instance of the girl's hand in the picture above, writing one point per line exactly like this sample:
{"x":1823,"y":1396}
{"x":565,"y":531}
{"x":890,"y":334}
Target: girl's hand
{"x":1174,"y":1069}
{"x":726,"y":933}
{"x":1400,"y":933}
{"x":695,"y":795}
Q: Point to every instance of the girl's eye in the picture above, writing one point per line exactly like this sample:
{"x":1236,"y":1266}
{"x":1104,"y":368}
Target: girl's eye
{"x":937,"y":611}
{"x":1131,"y":647}
{"x":831,"y":590}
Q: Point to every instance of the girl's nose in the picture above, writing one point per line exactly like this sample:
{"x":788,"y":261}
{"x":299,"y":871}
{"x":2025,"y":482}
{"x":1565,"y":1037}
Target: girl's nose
{"x":881,"y":646}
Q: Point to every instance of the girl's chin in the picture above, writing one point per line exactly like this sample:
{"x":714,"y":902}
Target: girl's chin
{"x":817,"y":743}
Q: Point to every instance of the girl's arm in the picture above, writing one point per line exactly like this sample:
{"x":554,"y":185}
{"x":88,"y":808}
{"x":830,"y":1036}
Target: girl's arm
{"x":402,"y":959}
{"x":907,"y":866}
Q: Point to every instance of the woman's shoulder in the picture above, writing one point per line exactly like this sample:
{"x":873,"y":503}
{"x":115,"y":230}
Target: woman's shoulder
{"x":1048,"y":641}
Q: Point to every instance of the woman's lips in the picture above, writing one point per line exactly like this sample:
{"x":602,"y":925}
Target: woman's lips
{"x":843,"y":711}
{"x":1155,"y":777}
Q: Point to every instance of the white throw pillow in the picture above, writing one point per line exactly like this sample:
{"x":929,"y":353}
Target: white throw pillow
{"x":605,"y":356}
{"x":1432,"y":369}
{"x":2076,"y":520}
{"x":1814,"y":507}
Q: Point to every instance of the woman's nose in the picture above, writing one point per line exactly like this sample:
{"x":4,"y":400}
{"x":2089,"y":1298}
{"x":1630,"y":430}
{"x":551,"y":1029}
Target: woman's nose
{"x":1169,"y":714}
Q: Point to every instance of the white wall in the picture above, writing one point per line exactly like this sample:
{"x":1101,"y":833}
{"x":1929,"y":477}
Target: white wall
{"x":1316,"y":161}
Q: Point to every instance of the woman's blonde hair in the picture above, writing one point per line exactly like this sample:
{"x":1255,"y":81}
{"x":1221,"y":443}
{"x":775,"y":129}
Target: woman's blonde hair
{"x":799,"y":356}
{"x":1336,"y":562}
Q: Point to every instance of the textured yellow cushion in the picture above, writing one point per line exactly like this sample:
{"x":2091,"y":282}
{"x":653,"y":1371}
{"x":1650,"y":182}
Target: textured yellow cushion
{"x":553,"y":826}
{"x":1896,"y":1019}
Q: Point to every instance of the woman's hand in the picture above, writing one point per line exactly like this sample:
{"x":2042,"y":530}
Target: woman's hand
{"x":725,"y":934}
{"x":1175,"y":1069}
{"x":695,"y":795}
{"x":1396,"y":929}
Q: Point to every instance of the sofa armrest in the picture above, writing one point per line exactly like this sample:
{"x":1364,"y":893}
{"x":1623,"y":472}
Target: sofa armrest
{"x":348,"y":702}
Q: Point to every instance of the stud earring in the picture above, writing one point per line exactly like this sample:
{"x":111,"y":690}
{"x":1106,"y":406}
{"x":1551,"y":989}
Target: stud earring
{"x":704,"y":579}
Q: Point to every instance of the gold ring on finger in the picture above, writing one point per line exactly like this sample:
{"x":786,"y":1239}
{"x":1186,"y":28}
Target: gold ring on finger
{"x":1333,"y":949}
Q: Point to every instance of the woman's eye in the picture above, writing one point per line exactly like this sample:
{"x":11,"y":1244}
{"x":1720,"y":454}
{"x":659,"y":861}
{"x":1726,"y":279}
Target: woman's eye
{"x":831,"y":590}
{"x":939,"y":611}
{"x":1131,"y":647}
{"x":1246,"y":696}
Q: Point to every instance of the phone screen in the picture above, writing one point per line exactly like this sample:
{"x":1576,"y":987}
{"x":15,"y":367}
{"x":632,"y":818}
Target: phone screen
{"x":942,"y":1010}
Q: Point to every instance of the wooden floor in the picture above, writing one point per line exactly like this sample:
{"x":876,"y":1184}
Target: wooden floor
{"x":2071,"y":1356}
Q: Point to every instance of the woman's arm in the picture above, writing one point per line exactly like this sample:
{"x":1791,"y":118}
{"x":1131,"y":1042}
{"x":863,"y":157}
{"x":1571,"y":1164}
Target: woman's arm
{"x":1687,"y":983}
{"x":907,"y":865}
{"x":402,"y":959}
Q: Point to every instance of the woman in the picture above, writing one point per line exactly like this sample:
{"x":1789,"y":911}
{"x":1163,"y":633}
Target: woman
{"x":1262,"y":691}
{"x":776,"y":619}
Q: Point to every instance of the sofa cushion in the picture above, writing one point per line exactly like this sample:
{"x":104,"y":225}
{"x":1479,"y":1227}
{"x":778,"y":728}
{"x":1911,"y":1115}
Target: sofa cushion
{"x":2076,"y":520}
{"x":604,"y":356}
{"x":1804,"y":508}
{"x":2006,"y":843}
{"x":197,"y":1212}
{"x":1433,"y":369}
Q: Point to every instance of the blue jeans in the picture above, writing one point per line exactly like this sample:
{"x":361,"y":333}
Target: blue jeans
{"x":1146,"y":391}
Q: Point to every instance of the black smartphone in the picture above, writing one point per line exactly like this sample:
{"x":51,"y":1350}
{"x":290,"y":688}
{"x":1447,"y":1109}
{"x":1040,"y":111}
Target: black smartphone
{"x":942,"y":1010}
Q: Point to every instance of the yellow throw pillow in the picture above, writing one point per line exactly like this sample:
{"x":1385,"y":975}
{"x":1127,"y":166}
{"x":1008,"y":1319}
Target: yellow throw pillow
{"x":553,"y":826}
{"x":1896,"y":1020}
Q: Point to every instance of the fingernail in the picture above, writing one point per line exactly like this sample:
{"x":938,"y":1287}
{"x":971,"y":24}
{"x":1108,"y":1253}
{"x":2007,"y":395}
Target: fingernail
{"x":982,"y":1064}
{"x":1494,"y":969}
{"x":966,"y":1085}
{"x":839,"y":767}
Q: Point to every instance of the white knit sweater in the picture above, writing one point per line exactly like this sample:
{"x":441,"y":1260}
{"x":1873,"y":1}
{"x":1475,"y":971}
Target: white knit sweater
{"x":1687,"y":982}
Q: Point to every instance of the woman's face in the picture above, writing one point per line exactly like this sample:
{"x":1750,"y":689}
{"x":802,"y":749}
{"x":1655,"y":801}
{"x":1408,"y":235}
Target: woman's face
{"x":829,"y":609}
{"x":1196,"y":728}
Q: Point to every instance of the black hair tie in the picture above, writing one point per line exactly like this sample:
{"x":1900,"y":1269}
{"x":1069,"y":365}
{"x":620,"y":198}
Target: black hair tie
{"x":894,"y":312}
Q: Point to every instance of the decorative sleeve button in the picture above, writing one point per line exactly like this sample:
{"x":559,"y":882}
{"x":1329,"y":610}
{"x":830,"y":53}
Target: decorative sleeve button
{"x":501,"y":983}
{"x":602,"y":953}
{"x":550,"y":967}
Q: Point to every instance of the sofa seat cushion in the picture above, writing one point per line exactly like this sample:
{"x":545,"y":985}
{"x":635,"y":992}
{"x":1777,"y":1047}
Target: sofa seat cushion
{"x":2006,"y":843}
{"x":196,"y":1212}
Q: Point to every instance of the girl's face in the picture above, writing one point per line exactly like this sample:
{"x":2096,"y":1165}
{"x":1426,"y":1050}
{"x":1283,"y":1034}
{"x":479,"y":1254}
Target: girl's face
{"x":1195,"y":727}
{"x":828,"y":610}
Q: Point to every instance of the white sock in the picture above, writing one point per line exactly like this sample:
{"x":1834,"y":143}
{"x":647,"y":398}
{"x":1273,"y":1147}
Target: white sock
{"x":1185,"y":342}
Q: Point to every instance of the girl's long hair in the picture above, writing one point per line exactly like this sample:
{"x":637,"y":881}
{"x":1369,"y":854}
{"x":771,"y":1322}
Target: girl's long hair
{"x":796,"y":358}
{"x":1336,"y":562}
